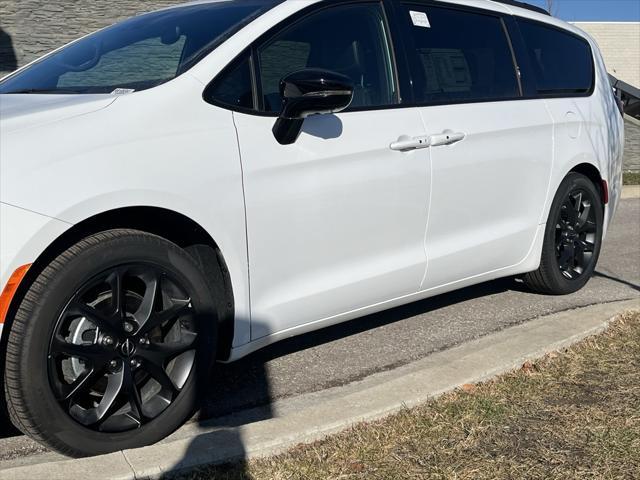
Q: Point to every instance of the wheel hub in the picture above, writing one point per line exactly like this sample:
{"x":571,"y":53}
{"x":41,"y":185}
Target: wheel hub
{"x":128,"y":348}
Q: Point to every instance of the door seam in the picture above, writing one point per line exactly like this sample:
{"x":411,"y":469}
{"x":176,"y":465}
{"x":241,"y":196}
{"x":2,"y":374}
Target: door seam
{"x":246,"y":224}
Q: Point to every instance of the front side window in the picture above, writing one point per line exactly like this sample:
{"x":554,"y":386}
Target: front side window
{"x":562,"y":62}
{"x":458,"y":56}
{"x":350,"y":40}
{"x":139,"y":53}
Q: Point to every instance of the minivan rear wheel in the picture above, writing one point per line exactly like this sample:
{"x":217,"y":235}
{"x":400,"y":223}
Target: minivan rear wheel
{"x":110,"y":344}
{"x":573,"y":237}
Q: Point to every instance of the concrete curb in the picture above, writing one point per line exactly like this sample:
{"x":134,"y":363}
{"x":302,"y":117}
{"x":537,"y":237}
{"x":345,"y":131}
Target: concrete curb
{"x":312,"y":416}
{"x":630,"y":191}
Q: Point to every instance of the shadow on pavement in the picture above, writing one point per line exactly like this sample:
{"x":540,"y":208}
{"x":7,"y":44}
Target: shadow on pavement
{"x":617,"y":280}
{"x":244,"y":384}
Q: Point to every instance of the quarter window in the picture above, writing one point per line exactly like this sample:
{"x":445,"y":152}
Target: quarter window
{"x":562,"y":62}
{"x":233,"y":87}
{"x":459,"y":56}
{"x":349,"y":39}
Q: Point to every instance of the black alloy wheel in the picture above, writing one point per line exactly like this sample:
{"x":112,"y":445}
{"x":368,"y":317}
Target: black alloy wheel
{"x":572,"y":239}
{"x":112,"y":344}
{"x":123,"y":348}
{"x":576,"y":231}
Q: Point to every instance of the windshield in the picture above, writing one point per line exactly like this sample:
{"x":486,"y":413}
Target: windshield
{"x":139,"y":53}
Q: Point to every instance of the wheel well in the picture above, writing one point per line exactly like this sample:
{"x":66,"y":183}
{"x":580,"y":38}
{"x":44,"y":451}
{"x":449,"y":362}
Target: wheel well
{"x":593,"y":174}
{"x":168,"y":224}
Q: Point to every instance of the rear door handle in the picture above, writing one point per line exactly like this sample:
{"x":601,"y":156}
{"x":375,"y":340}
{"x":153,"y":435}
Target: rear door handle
{"x":446,"y":138}
{"x":406,"y":143}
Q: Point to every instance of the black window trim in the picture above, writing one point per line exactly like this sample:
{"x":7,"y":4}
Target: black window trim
{"x":288,"y":23}
{"x":400,"y":62}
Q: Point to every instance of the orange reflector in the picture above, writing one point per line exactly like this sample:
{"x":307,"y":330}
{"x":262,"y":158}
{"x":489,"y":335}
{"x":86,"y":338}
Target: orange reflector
{"x":10,"y":290}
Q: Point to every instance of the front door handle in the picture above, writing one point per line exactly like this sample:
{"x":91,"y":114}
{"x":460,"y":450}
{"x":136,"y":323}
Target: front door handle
{"x":406,"y":143}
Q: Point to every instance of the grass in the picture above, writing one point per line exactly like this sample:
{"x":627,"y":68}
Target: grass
{"x":574,"y":415}
{"x":631,"y":178}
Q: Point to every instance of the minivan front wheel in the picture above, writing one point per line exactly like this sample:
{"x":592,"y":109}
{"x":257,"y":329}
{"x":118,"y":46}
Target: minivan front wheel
{"x":109,"y":344}
{"x":573,"y":238}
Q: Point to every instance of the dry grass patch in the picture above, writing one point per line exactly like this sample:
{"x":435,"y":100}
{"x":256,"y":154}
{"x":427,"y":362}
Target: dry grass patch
{"x":574,"y":415}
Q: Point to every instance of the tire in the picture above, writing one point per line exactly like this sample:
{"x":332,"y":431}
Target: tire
{"x":572,"y":239}
{"x":75,"y":345}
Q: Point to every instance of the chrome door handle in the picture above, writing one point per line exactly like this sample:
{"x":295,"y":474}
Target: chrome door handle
{"x":446,"y":138}
{"x":406,"y":143}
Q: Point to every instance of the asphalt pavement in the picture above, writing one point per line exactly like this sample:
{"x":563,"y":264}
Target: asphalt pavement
{"x":354,"y":350}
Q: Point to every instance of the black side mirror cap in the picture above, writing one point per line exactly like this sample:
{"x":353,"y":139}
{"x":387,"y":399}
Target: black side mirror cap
{"x":309,"y":92}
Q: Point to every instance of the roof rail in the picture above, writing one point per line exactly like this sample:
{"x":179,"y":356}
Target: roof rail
{"x":528,"y":6}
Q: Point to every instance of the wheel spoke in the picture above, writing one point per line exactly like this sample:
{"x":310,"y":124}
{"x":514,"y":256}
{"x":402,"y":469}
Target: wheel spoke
{"x":95,"y":353}
{"x":133,"y":393}
{"x":80,"y":385}
{"x":570,"y":211}
{"x":159,"y":374}
{"x":118,"y":296}
{"x":172,"y":313}
{"x":589,"y":226}
{"x":583,"y":217}
{"x":585,"y":246}
{"x":152,"y":294}
{"x":161,"y":353}
{"x":103,"y":322}
{"x":97,"y":415}
{"x":566,"y":258}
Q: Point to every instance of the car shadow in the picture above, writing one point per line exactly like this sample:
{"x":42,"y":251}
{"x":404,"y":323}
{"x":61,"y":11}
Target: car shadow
{"x":244,"y":385}
{"x":617,"y":280}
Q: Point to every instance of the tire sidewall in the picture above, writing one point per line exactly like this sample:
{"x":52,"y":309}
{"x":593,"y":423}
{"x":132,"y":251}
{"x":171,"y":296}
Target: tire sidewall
{"x":69,"y":276}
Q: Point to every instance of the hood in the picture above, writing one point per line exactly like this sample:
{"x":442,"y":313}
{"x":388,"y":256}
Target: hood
{"x":18,"y":111}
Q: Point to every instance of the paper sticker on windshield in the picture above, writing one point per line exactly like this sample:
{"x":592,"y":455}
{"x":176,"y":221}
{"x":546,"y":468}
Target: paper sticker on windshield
{"x":420,"y":19}
{"x":122,"y":91}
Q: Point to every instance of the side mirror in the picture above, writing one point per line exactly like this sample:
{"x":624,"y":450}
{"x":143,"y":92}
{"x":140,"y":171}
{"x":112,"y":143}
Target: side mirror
{"x":308,"y":92}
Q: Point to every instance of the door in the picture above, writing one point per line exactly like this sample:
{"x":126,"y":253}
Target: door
{"x":336,"y":220}
{"x":491,"y":151}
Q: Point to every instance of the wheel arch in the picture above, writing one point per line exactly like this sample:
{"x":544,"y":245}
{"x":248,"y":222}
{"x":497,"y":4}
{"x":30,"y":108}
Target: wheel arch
{"x":592,"y":173}
{"x":169,"y":224}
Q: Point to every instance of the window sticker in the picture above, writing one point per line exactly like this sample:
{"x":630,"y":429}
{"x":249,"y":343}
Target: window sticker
{"x":420,"y":19}
{"x":123,"y":91}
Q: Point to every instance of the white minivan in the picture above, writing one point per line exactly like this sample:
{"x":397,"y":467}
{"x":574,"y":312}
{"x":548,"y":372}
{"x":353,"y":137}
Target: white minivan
{"x":196,"y":183}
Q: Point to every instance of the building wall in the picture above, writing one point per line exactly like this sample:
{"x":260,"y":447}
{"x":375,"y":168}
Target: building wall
{"x":620,"y":46}
{"x":30,"y":28}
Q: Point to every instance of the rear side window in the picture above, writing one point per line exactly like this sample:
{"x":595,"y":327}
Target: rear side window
{"x":459,"y":56}
{"x":562,"y":62}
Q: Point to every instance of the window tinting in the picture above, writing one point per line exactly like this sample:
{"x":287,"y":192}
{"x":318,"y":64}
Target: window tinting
{"x":562,"y":62}
{"x":139,"y":53}
{"x":233,"y":87}
{"x":348,"y":39}
{"x":459,"y":56}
